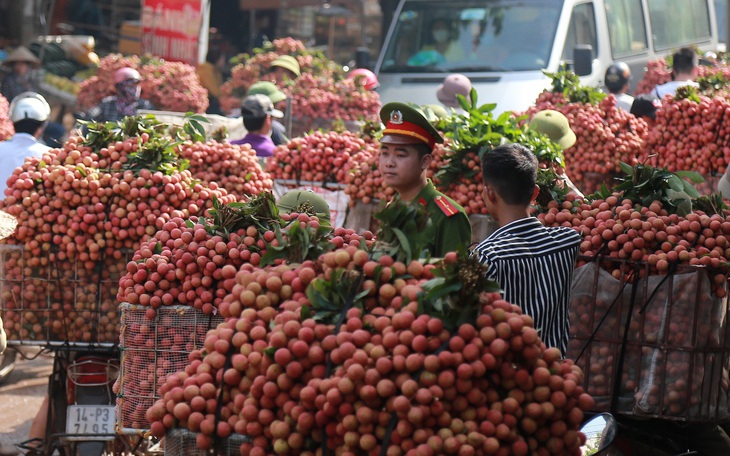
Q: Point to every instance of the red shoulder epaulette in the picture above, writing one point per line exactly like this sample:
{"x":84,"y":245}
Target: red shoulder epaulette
{"x":446,"y":206}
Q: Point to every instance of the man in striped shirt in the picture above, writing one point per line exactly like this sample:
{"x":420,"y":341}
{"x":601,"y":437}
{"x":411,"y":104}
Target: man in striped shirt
{"x":533,"y":264}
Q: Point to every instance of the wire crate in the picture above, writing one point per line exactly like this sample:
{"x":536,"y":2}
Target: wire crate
{"x":652,"y":345}
{"x":182,"y":442}
{"x":44,"y":299}
{"x":150,"y":351}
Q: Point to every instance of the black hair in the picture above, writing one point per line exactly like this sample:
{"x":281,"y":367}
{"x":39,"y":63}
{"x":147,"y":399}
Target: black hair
{"x":253,"y":123}
{"x":29,"y":126}
{"x":684,"y":60}
{"x":645,"y":105}
{"x":423,"y":149}
{"x":213,"y":55}
{"x":511,"y":169}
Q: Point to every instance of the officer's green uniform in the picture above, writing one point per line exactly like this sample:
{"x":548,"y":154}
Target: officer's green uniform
{"x":450,"y":226}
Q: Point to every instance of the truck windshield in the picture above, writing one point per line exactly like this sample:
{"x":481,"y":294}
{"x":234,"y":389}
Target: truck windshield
{"x":472,"y":36}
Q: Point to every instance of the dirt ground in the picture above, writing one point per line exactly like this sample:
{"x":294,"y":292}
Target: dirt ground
{"x":21,"y":395}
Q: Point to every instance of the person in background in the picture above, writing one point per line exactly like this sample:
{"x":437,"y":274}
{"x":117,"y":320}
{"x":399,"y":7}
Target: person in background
{"x":29,"y":114}
{"x":453,"y":85}
{"x":645,"y":105}
{"x":305,"y":201}
{"x":405,"y":155}
{"x":19,"y":80}
{"x":258,"y":111}
{"x":441,"y":46}
{"x":210,"y":74}
{"x":278,"y":131}
{"x":54,"y":134}
{"x":555,"y":126}
{"x":126,"y":102}
{"x":284,"y":68}
{"x":533,"y":264}
{"x":617,"y":80}
{"x":684,"y":63}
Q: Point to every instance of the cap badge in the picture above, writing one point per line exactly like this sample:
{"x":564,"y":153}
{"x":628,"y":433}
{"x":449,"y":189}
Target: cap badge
{"x":396,"y":117}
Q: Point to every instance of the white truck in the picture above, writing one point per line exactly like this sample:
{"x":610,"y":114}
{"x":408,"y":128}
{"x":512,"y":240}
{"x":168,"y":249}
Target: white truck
{"x":503,"y":46}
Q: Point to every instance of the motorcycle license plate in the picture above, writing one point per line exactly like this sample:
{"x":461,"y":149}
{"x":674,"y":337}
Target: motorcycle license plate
{"x":91,"y":419}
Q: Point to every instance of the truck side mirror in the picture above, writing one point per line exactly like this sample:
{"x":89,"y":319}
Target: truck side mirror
{"x":583,"y":59}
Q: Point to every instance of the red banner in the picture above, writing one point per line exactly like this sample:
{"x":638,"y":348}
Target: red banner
{"x":171,"y":28}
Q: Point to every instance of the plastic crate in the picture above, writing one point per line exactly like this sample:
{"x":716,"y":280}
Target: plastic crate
{"x":150,"y":351}
{"x":182,"y":442}
{"x":651,"y":345}
{"x":44,"y":299}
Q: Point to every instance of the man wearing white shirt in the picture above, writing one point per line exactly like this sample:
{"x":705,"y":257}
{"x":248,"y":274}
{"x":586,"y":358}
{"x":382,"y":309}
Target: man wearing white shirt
{"x":684,"y":62}
{"x":29,"y":113}
{"x":617,"y":80}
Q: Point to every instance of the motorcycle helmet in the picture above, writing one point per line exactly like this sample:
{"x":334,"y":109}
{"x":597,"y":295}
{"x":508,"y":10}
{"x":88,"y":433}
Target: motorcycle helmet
{"x":29,"y":105}
{"x":126,"y":73}
{"x":453,"y":85}
{"x":617,"y":76}
{"x":368,"y":78}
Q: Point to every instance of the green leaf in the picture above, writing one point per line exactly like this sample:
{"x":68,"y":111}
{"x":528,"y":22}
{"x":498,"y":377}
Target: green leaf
{"x":690,"y":190}
{"x":405,"y":244}
{"x":675,"y":183}
{"x":694,"y":177}
{"x":306,"y":312}
{"x":270,"y":352}
{"x":473,"y":98}
{"x":626,"y":168}
{"x":158,"y":248}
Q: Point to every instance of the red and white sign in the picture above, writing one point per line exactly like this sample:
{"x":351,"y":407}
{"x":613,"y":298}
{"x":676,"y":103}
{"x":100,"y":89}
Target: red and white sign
{"x":175,"y":29}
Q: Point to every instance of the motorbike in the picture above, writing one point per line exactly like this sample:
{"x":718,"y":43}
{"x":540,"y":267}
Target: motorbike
{"x":600,"y":431}
{"x":81,"y":414}
{"x":608,"y":435}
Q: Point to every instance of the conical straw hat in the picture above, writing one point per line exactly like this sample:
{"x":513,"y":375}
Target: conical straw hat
{"x":22,"y":54}
{"x":7,"y":224}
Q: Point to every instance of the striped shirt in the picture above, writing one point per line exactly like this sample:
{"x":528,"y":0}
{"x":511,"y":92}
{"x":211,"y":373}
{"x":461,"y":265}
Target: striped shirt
{"x":534,"y":265}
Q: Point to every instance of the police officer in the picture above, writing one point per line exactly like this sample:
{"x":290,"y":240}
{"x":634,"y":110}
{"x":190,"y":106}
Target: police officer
{"x":617,"y":79}
{"x":405,"y":155}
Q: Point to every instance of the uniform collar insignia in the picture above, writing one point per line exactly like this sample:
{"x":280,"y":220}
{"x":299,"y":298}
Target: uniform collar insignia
{"x":396,"y":117}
